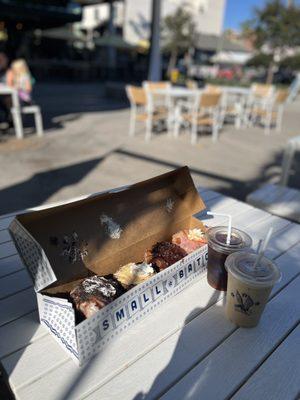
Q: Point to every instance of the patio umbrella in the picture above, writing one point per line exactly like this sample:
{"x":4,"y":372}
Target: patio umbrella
{"x":115,"y":41}
{"x":62,"y":33}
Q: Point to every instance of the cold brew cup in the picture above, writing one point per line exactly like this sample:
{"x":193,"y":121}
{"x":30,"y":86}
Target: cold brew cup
{"x":249,"y":287}
{"x":219,"y":250}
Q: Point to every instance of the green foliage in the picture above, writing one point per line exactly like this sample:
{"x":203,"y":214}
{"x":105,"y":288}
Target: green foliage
{"x":292,"y":62}
{"x":260,"y":60}
{"x":227,"y":82}
{"x":276,"y":24}
{"x":178,"y":31}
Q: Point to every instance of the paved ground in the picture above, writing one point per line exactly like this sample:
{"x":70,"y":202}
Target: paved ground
{"x":86,"y":149}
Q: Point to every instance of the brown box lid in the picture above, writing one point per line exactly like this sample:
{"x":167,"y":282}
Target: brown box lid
{"x":76,"y":236}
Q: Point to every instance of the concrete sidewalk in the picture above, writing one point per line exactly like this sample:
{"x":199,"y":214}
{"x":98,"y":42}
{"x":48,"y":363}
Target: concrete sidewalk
{"x":86,"y":149}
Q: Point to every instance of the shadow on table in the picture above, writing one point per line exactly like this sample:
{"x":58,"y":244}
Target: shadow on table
{"x":180,"y":363}
{"x":171,"y":369}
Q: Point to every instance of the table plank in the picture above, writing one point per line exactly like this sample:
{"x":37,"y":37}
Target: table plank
{"x":4,"y":222}
{"x":16,"y":306}
{"x":279,"y":376}
{"x":5,"y":236}
{"x":286,"y":237}
{"x":226,"y":368}
{"x":173,"y":358}
{"x":279,"y":200}
{"x":209,"y":195}
{"x":23,"y":331}
{"x":7,"y":249}
{"x":9,"y":265}
{"x":14,"y":283}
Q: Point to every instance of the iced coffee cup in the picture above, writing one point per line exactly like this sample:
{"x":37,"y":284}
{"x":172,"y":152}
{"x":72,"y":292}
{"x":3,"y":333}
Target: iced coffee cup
{"x":249,"y":287}
{"x":219,"y":249}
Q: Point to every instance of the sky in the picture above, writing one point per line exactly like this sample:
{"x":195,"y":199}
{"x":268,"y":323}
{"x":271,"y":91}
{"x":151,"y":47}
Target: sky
{"x":238,"y":11}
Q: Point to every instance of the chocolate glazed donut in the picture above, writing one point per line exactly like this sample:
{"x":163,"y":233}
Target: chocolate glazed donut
{"x":164,"y":254}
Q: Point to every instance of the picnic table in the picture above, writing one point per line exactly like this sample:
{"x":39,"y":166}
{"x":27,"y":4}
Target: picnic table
{"x":186,"y":349}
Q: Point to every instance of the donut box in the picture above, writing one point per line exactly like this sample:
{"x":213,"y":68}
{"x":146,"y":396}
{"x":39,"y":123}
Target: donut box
{"x":63,"y":244}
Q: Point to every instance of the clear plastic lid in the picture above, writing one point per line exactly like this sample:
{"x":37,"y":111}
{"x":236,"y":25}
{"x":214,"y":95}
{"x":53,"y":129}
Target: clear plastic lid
{"x":217,"y":237}
{"x":241,"y":266}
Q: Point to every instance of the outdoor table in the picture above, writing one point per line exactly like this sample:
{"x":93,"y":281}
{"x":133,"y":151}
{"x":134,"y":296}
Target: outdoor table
{"x":177,"y":92}
{"x":184,"y":349}
{"x":237,"y":90}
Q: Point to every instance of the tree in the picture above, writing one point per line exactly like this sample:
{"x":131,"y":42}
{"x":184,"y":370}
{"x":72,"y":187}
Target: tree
{"x":178,"y":34}
{"x":292,"y":62}
{"x":276,"y":29}
{"x":259,"y":60}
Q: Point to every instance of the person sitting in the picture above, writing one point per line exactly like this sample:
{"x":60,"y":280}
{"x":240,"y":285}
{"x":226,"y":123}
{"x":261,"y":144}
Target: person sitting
{"x":19,"y":77}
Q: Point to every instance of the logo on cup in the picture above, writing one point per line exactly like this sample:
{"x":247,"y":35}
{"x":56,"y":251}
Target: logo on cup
{"x":244,"y":303}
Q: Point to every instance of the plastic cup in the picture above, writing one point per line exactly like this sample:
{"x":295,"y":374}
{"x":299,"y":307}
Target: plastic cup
{"x":248,"y":288}
{"x":219,"y":250}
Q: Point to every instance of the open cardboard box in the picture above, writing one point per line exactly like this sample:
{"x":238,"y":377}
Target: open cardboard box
{"x":97,"y":235}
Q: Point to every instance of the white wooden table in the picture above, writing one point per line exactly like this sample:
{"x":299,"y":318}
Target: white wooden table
{"x":177,"y":92}
{"x":185,"y":350}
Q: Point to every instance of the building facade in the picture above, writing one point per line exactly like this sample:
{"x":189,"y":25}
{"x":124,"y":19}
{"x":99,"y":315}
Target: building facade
{"x":134,"y":16}
{"x":208,"y":16}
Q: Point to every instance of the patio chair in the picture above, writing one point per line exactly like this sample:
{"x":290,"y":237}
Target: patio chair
{"x":260,"y":93}
{"x":17,"y":112}
{"x":262,"y":90}
{"x":209,"y":88}
{"x":270,"y":112}
{"x":233,"y":108}
{"x":191,"y":84}
{"x":141,"y":109}
{"x":205,"y":113}
{"x":161,"y":102}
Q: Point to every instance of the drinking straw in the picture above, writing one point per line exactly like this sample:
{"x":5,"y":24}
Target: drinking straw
{"x":259,"y":246}
{"x":263,"y":247}
{"x":229,"y":223}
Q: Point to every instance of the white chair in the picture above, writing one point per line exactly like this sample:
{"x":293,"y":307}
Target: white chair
{"x":142,"y":109}
{"x":203,"y":112}
{"x":260,"y":93}
{"x":17,"y":112}
{"x":270,"y":111}
{"x":158,"y":94}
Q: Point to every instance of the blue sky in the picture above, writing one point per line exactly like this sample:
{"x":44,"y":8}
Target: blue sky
{"x":238,"y":11}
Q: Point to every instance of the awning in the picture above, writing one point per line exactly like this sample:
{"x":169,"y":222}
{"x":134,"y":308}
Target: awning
{"x":34,"y":14}
{"x":115,"y":41}
{"x":231,"y":57}
{"x":64,"y":33}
